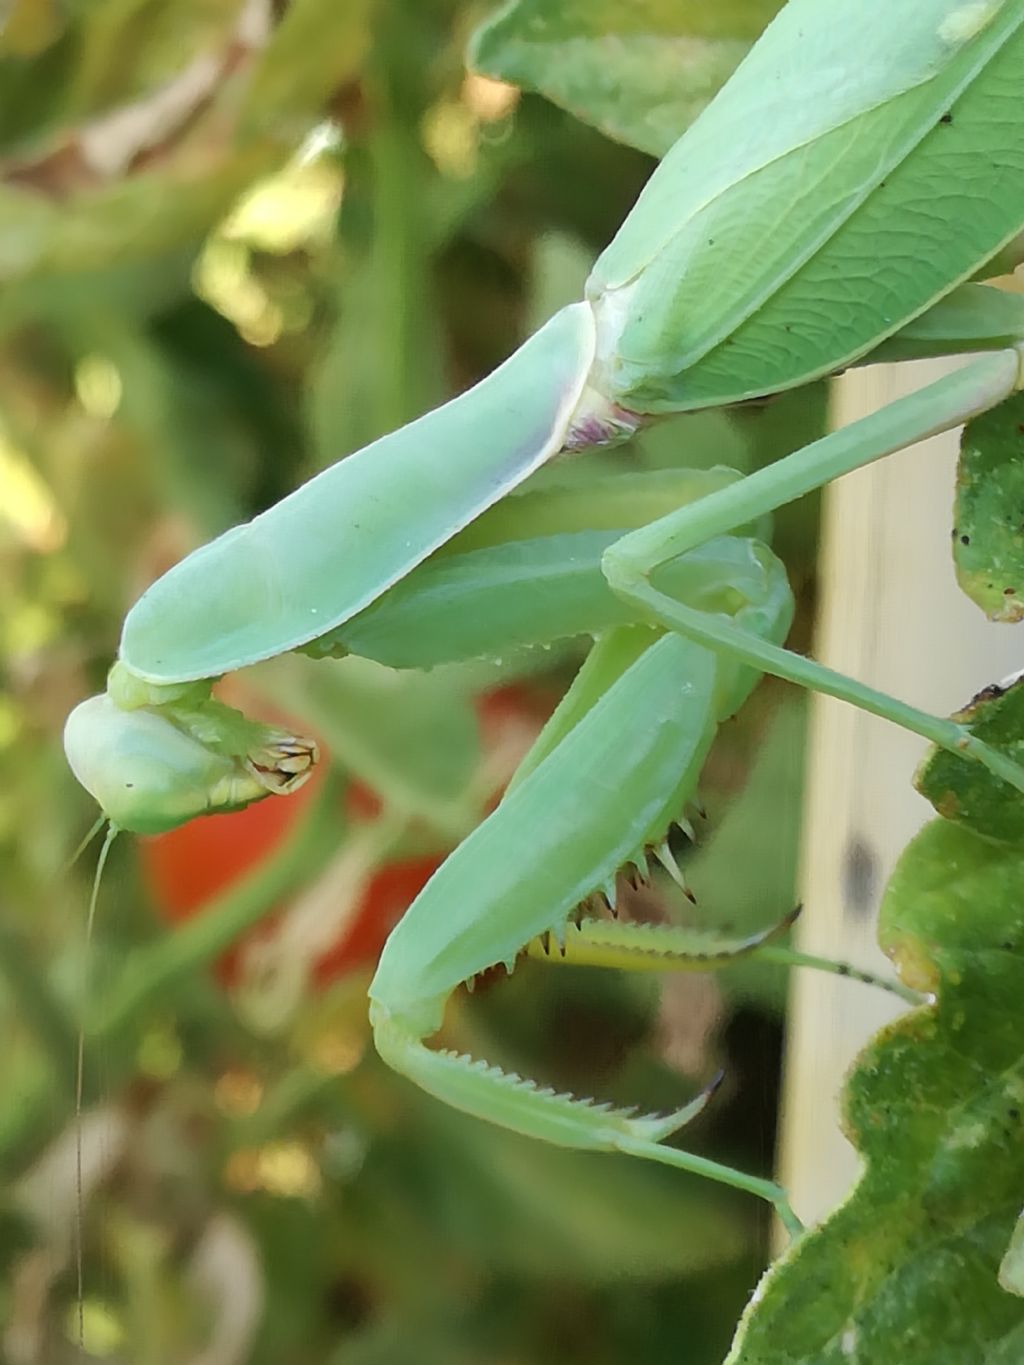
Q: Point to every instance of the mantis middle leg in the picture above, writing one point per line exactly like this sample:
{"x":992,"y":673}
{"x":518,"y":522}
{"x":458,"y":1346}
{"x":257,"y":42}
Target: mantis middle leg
{"x":631,"y":562}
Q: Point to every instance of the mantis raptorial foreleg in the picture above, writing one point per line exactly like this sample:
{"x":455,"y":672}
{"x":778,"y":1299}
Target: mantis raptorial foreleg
{"x":505,"y":1098}
{"x":638,"y":748}
{"x":753,"y":639}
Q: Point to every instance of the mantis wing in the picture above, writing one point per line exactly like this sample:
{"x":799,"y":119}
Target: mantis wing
{"x":335,"y":544}
{"x":811,"y":201}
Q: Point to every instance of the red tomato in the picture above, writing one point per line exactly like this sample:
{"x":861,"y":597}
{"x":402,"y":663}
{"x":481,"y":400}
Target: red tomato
{"x":361,"y":801}
{"x":517,"y":704}
{"x":187,"y":867}
{"x":387,"y":896}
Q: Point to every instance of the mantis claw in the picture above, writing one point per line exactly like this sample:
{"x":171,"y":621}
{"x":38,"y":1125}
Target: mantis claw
{"x":284,"y":764}
{"x":478,"y":1087}
{"x":686,"y":828}
{"x":639,"y":875}
{"x":666,"y":857}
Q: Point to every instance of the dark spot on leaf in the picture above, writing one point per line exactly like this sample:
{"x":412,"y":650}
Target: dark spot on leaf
{"x":946,"y":118}
{"x":990,"y":692}
{"x":965,"y":540}
{"x":1009,"y":592}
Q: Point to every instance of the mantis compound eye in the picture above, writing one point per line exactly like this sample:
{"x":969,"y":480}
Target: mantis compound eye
{"x":150,"y":773}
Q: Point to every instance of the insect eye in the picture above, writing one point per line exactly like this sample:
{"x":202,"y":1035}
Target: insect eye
{"x":145,"y":773}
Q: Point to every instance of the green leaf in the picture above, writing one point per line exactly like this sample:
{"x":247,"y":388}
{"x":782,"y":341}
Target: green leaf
{"x":640,"y":70}
{"x":1011,"y":1269}
{"x":907,"y":1269}
{"x":988,"y":538}
{"x":961,"y":789}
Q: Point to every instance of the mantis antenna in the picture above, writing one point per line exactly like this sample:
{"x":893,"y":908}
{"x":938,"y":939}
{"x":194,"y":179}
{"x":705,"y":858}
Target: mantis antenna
{"x":101,"y":862}
{"x":94,"y":829}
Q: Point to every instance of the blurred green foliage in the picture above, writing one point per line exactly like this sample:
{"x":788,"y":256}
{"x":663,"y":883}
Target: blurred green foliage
{"x":237,"y":241}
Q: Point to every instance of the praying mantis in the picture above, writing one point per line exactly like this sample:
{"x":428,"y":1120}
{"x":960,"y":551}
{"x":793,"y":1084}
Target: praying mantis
{"x":831,"y":205}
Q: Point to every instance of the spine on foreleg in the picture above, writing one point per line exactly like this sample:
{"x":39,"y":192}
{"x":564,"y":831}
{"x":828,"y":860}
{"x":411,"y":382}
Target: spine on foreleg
{"x":611,"y":785}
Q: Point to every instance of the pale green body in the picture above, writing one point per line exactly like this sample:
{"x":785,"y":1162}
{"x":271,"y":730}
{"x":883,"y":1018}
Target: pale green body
{"x":865,"y":160}
{"x":278,"y":591}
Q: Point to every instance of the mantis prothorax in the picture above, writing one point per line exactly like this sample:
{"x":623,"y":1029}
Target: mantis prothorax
{"x":864,"y":162}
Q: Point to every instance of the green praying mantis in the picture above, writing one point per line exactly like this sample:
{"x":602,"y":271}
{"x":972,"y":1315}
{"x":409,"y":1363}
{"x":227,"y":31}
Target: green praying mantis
{"x":830,"y":206}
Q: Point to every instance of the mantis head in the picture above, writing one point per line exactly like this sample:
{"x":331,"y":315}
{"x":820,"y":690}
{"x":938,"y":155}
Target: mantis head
{"x":152,"y":766}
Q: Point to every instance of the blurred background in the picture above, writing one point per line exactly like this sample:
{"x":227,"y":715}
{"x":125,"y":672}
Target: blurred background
{"x":237,"y":241}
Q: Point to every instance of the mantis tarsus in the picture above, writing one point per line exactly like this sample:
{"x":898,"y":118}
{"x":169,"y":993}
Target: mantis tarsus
{"x":864,"y":162}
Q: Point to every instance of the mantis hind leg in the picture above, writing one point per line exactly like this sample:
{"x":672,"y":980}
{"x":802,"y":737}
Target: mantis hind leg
{"x":630,"y":562}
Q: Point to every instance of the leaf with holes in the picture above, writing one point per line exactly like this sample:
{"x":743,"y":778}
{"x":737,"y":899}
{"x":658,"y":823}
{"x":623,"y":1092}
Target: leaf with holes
{"x":967,"y":793}
{"x":988,"y":541}
{"x":908,"y":1268}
